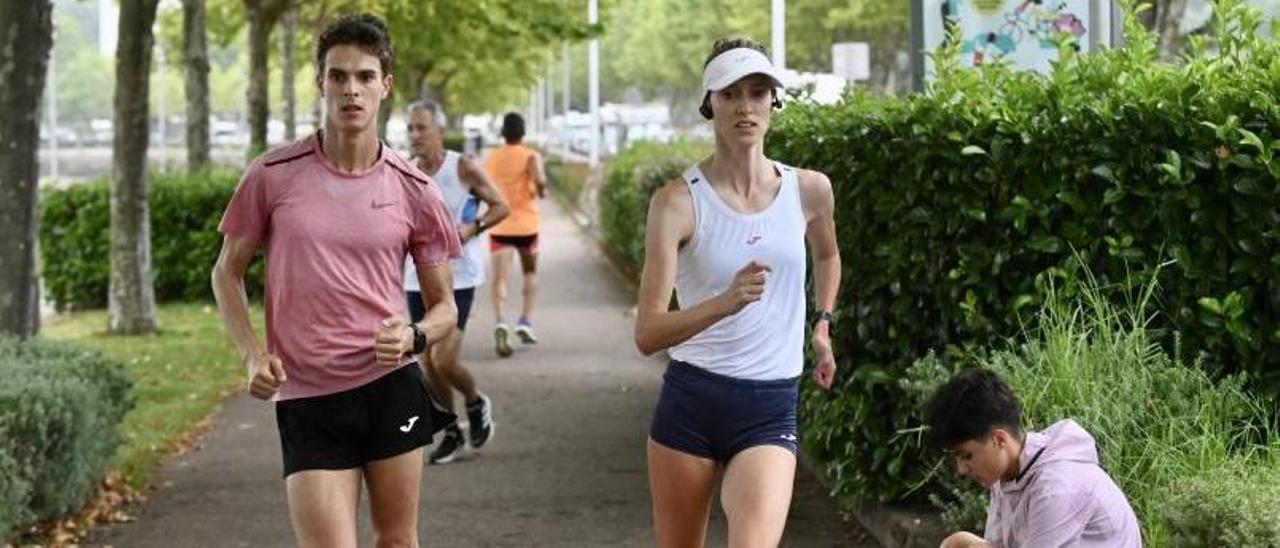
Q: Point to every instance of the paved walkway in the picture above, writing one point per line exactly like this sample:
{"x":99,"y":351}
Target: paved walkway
{"x":566,"y":467}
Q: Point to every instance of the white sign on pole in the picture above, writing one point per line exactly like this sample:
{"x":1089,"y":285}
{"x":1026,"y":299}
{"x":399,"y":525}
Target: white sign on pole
{"x":851,"y":60}
{"x":1021,"y":32}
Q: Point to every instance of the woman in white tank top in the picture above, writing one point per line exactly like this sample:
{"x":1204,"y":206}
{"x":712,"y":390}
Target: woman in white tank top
{"x":730,"y":239}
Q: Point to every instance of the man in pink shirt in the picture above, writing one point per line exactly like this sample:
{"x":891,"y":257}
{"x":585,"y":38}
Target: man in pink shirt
{"x":337,"y":212}
{"x":1047,"y":488}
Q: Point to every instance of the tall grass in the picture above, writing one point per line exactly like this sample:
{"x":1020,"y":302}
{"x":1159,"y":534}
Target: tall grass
{"x":1158,"y":422}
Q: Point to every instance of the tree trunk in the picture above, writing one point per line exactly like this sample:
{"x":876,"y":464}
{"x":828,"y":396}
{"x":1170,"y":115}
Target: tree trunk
{"x":131,"y":304}
{"x":1170,"y":29}
{"x":384,"y":114}
{"x":195,"y":54}
{"x":262,"y":15}
{"x":26,"y":37}
{"x":288,"y":71}
{"x":1165,"y":19}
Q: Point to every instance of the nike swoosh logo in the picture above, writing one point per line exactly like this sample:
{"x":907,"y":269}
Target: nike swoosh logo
{"x":406,"y":428}
{"x":788,"y":437}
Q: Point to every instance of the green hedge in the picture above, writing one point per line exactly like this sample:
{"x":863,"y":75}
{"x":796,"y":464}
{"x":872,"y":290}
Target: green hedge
{"x":185,"y":211}
{"x":455,"y":141}
{"x":632,"y":178}
{"x":59,"y":412}
{"x":568,"y":179}
{"x":955,"y":206}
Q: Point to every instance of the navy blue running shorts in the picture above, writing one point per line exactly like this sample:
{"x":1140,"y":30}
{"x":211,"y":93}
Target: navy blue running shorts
{"x":462,"y":297}
{"x":716,"y":417}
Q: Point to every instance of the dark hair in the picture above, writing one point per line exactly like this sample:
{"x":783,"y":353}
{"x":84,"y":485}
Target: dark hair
{"x":512,"y":127}
{"x":968,"y":406}
{"x":725,"y":44}
{"x":366,"y":31}
{"x":720,"y":46}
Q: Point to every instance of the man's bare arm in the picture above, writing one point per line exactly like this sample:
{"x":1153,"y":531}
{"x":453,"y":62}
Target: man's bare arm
{"x":475,"y":178}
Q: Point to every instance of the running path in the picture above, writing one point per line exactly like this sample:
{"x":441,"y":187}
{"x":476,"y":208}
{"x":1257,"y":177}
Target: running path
{"x":566,"y":466}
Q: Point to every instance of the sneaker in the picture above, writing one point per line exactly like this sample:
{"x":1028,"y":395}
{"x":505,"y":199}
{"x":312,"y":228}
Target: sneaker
{"x":525,"y":332}
{"x":480,"y":415}
{"x":450,"y":447}
{"x":500,"y":344}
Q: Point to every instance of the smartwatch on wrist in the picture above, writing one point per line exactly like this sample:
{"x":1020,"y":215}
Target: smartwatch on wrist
{"x":822,"y":315}
{"x":419,"y":339}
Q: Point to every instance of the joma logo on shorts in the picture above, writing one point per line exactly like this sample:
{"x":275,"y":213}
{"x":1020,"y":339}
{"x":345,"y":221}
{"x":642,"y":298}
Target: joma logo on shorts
{"x":406,"y":428}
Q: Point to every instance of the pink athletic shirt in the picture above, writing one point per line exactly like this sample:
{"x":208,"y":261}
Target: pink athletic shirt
{"x":335,"y":247}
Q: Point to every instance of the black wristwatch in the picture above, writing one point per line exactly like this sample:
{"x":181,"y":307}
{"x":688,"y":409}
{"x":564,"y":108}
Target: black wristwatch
{"x":824,"y":315}
{"x":419,"y":339}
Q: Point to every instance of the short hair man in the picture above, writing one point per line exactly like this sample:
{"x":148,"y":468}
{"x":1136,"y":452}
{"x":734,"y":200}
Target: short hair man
{"x":337,"y":212}
{"x":1047,"y":488}
{"x":518,"y":172}
{"x":464,"y":186}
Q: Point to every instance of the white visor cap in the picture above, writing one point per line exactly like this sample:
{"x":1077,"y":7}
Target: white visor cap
{"x":736,"y":64}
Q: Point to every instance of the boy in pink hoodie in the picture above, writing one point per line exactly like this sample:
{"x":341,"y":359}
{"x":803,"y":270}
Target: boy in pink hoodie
{"x":1047,"y":488}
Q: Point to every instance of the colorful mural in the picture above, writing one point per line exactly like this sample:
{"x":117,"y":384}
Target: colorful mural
{"x":1023,"y":32}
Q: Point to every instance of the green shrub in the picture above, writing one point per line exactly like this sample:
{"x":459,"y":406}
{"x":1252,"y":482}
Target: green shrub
{"x":185,"y":212}
{"x":455,"y":141}
{"x":59,"y":412}
{"x":1237,"y":505}
{"x":567,"y":178}
{"x":1157,"y":422}
{"x":954,"y":207}
{"x":15,"y":490}
{"x":632,"y":178}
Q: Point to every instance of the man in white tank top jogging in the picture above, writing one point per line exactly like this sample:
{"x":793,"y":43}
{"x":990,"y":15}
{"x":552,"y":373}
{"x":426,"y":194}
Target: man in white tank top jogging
{"x":729,"y":238}
{"x":464,"y":186}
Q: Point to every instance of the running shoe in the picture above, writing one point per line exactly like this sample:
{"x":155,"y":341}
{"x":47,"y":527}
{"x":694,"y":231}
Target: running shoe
{"x":480,"y":416}
{"x":500,"y":343}
{"x":525,"y":331}
{"x":451,"y":446}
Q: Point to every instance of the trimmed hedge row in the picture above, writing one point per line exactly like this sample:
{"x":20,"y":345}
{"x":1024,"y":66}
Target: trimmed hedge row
{"x":185,"y":211}
{"x":955,"y":207}
{"x":633,"y":177}
{"x":59,"y":411}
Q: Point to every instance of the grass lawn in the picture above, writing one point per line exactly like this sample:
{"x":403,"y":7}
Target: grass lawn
{"x":181,"y":374}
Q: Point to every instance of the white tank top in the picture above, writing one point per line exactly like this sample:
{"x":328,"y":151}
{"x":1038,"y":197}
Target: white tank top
{"x":765,"y":340}
{"x":468,"y":270}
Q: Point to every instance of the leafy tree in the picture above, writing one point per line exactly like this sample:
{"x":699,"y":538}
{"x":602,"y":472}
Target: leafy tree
{"x":262,"y":16}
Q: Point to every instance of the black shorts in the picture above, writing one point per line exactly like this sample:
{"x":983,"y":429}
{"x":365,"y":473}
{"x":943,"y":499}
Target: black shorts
{"x":524,"y":244}
{"x":462,"y":297}
{"x":713,"y":416}
{"x":390,"y":416}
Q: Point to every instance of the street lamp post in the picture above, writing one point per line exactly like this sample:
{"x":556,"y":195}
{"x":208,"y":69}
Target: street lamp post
{"x":52,"y":86}
{"x":779,"y":20}
{"x":593,"y":86}
{"x":164,"y":160}
{"x":564,"y":96}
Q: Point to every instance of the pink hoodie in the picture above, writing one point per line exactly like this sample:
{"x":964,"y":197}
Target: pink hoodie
{"x":1063,"y":498}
